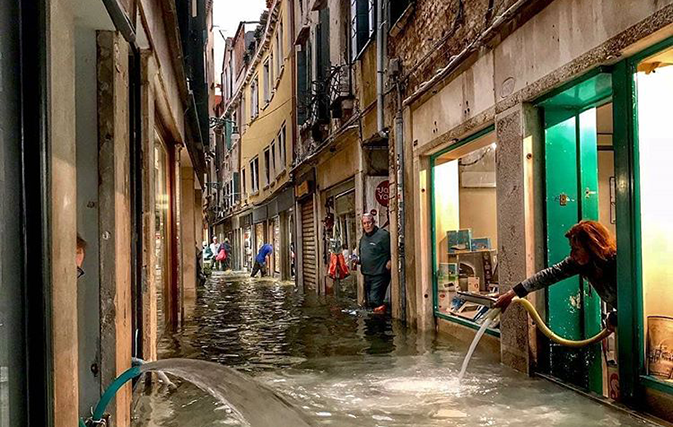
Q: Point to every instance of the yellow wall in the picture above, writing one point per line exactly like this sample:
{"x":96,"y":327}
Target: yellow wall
{"x":258,"y":133}
{"x":479,"y":211}
{"x":447,"y":202}
{"x":338,"y":167}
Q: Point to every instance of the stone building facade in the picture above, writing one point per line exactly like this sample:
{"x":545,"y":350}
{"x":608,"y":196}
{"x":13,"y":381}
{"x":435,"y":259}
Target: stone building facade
{"x":258,"y":133}
{"x":340,"y":156}
{"x":493,"y":83}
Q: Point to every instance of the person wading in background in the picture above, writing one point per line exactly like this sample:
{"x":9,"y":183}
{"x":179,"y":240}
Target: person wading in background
{"x":374,"y":252}
{"x":227,"y":250}
{"x":261,"y":261}
{"x":214,"y":249}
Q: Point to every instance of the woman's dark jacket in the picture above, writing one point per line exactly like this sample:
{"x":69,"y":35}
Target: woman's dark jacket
{"x":601,"y":274}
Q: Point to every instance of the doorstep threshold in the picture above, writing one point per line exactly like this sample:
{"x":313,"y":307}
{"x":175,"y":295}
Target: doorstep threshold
{"x":651,"y":419}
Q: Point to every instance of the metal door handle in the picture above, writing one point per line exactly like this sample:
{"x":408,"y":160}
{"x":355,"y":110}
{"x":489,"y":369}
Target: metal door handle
{"x":588,"y":192}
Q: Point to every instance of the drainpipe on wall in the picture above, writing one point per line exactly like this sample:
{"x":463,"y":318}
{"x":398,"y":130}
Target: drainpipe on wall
{"x":380,"y":52}
{"x":401,"y":219}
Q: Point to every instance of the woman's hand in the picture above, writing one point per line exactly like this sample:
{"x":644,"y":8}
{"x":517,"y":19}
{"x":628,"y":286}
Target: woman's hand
{"x":505,"y":300}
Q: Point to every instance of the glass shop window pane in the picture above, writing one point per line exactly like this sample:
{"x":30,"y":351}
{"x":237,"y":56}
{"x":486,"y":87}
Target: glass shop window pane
{"x":654,"y":83}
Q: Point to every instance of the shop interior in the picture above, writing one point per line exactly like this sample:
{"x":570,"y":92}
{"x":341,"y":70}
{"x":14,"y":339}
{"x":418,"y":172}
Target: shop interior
{"x":340,"y":238}
{"x":465,"y":227}
{"x":654,"y":91}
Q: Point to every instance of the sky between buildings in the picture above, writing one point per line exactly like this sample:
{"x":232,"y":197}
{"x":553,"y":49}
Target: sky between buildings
{"x":226,"y":16}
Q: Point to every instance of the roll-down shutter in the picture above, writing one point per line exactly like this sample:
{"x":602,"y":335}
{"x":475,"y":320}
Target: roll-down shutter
{"x":308,"y":244}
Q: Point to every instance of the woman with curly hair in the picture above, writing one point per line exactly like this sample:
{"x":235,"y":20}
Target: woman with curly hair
{"x":593,"y":256}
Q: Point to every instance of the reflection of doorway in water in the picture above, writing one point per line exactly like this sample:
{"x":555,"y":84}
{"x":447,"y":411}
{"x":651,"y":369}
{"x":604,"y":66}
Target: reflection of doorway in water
{"x":161,"y":226}
{"x":247,"y":249}
{"x":293,"y":255}
{"x":276,"y":245}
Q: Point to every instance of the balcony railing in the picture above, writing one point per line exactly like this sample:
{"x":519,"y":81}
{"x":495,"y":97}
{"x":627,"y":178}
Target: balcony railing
{"x":327,"y":104}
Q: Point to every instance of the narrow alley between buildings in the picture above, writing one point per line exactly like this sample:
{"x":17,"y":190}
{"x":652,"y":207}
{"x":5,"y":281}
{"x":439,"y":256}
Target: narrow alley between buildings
{"x":293,"y":213}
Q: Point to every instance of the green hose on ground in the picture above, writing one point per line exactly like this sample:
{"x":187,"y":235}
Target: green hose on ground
{"x":110,"y":392}
{"x":551,"y":335}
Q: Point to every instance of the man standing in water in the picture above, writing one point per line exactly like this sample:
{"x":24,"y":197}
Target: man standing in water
{"x":374,"y":254}
{"x":261,"y":261}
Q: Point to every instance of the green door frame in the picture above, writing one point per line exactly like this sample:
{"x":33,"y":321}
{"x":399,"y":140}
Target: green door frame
{"x":632,"y":372}
{"x":632,"y":368}
{"x":433,"y":240}
{"x":570,"y":152}
{"x":631,"y":343}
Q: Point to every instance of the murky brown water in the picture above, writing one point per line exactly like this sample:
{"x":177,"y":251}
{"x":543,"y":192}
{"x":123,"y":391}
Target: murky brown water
{"x":343,"y":367}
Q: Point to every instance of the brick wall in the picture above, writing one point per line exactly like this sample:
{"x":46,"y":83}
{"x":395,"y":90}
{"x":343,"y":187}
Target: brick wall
{"x":436,"y":30}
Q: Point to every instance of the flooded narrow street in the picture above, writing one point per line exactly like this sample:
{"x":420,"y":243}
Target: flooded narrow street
{"x":343,"y":367}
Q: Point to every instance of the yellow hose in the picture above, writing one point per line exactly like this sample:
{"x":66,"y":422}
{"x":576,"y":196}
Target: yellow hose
{"x":551,"y":335}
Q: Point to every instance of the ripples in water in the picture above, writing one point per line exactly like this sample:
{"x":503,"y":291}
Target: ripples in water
{"x":346,"y":367}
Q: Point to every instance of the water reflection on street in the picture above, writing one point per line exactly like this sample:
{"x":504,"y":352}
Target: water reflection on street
{"x":345,"y":367}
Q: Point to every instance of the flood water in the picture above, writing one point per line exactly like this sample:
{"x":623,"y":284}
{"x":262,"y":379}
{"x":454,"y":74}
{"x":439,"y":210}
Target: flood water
{"x":342,"y":367}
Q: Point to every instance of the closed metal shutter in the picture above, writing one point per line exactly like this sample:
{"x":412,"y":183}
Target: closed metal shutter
{"x":308,"y":253}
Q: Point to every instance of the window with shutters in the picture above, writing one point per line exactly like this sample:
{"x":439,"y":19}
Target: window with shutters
{"x":280,"y":40}
{"x":267,"y":81}
{"x":363,"y":25}
{"x":254,"y":175}
{"x":254,"y":98}
{"x":236,"y":188}
{"x":243,"y":114}
{"x":302,"y":84}
{"x":244,"y":190}
{"x":267,"y":167}
{"x":274,"y":168}
{"x":282,"y":149}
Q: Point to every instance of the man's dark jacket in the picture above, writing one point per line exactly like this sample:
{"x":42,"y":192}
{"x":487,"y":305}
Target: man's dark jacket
{"x":375,"y":252}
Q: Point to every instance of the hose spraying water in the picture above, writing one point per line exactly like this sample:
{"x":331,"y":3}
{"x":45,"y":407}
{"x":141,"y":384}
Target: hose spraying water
{"x":242,"y":394}
{"x":546,"y":331}
{"x":490,"y":317}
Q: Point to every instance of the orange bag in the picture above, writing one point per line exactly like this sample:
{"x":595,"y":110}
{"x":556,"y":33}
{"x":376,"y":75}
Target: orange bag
{"x":337,"y":267}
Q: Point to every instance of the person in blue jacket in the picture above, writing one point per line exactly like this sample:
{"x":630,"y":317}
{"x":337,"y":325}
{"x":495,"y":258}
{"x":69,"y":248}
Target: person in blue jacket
{"x":261,"y":260}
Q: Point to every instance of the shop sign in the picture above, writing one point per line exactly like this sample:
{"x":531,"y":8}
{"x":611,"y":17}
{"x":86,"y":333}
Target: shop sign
{"x":382,"y":193}
{"x":303,"y":189}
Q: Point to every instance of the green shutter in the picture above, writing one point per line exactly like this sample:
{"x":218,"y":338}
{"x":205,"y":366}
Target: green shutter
{"x":302,"y":80}
{"x":228,"y":129}
{"x":362,"y":24}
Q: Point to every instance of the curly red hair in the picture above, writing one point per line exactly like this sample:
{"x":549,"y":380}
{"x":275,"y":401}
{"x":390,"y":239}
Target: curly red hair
{"x":595,"y":238}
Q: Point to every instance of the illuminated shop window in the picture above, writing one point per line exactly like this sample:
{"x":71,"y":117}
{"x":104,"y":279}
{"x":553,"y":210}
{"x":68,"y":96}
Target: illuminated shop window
{"x":654,"y":83}
{"x":465,"y":229}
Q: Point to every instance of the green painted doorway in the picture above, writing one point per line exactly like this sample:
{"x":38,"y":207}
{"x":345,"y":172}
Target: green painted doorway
{"x":571,"y":177}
